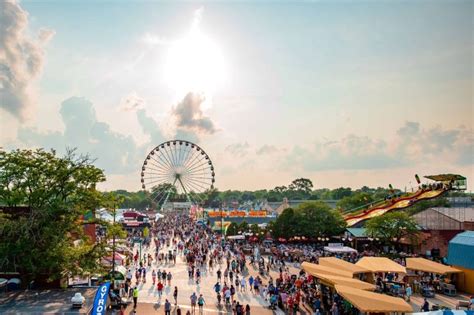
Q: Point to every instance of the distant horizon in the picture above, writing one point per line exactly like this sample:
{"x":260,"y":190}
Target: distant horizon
{"x":345,"y":94}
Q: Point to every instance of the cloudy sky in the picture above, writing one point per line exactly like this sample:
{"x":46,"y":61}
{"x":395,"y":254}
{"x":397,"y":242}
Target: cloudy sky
{"x":344,"y":93}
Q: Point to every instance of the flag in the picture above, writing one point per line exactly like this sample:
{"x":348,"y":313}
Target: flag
{"x":417,"y":179}
{"x":100,"y":300}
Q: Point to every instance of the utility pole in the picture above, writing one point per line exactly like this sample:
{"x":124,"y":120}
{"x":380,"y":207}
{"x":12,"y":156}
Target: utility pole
{"x":113,"y":251}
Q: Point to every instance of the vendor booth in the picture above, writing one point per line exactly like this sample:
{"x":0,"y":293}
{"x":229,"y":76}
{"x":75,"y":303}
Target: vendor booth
{"x":442,"y":282}
{"x":385,"y":273}
{"x":380,"y":264}
{"x":319,"y":269}
{"x":343,"y":265}
{"x":331,"y":277}
{"x":370,"y":302}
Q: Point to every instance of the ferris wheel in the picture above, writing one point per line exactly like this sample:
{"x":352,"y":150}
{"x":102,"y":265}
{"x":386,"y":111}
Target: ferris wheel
{"x":177,"y":167}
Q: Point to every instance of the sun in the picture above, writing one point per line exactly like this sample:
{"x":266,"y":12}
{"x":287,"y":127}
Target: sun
{"x":194,"y":64}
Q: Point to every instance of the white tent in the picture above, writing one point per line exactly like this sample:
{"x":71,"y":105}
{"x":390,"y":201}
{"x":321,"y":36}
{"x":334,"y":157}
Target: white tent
{"x":339,"y":249}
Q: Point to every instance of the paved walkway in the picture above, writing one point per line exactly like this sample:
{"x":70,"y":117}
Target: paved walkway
{"x":149,"y":303}
{"x":148,"y":300}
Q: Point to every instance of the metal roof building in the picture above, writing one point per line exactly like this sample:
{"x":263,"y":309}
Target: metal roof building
{"x":461,"y":250}
{"x":461,"y":256}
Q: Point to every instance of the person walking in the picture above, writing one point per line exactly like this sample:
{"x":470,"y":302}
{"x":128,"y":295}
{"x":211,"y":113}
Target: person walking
{"x":169,"y":277}
{"x":153,"y":276}
{"x":193,"y":299}
{"x":167,"y":307}
{"x":201,"y":303}
{"x":408,"y":292}
{"x":159,"y":288}
{"x":135,"y":297}
{"x":243,"y":285}
{"x":426,"y":306}
{"x":175,"y":295}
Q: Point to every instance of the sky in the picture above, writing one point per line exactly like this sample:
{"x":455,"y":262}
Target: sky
{"x":345,"y":93}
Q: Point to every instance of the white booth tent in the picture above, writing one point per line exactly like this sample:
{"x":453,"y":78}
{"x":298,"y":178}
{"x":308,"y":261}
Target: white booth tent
{"x":338,"y":248}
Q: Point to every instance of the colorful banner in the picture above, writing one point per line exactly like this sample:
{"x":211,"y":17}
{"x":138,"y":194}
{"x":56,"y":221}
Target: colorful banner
{"x":237,"y":213}
{"x":100,"y":300}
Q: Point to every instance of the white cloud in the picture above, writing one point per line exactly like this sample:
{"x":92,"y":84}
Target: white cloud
{"x":21,"y":60}
{"x":154,"y":40}
{"x":132,"y":102}
{"x":411,"y":146}
{"x":190,"y":117}
{"x":267,"y":149}
{"x":238,"y":149}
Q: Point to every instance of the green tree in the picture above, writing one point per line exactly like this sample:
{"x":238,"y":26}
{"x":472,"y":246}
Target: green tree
{"x":355,"y":200}
{"x":243,"y":226}
{"x":340,"y":193}
{"x":285,"y":224}
{"x":391,"y":227}
{"x":316,"y":218}
{"x":45,"y":199}
{"x":302,"y":184}
{"x":232,"y":229}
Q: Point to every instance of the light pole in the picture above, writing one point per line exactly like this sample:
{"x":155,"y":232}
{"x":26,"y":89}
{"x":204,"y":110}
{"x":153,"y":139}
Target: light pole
{"x":113,"y":250}
{"x":222,"y":226}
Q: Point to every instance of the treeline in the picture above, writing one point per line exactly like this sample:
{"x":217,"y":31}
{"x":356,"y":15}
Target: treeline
{"x":298,"y":189}
{"x":311,"y":219}
{"x":346,"y":198}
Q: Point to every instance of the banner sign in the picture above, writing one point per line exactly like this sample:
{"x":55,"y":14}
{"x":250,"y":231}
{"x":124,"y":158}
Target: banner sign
{"x":100,"y":300}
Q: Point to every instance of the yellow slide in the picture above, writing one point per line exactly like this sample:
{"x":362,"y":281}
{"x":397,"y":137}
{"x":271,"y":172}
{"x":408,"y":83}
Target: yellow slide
{"x":400,"y":204}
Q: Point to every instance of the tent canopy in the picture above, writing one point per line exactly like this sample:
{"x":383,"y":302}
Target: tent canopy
{"x":380,"y":264}
{"x":314,"y":269}
{"x":332,"y":281}
{"x":425,"y":265}
{"x":331,"y":276}
{"x":340,"y":264}
{"x":339,"y":249}
{"x":372,"y":302}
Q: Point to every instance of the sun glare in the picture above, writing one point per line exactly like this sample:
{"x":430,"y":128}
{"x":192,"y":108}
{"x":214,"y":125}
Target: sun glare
{"x":194,"y":64}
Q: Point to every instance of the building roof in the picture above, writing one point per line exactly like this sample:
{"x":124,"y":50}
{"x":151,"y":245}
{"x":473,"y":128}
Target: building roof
{"x":462,"y":214}
{"x":337,"y":263}
{"x":370,"y":302}
{"x":380,"y":264}
{"x":357,"y":232}
{"x":461,"y":250}
{"x":425,"y":265}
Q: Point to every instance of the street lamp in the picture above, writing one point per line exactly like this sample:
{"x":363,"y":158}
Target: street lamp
{"x":113,"y":250}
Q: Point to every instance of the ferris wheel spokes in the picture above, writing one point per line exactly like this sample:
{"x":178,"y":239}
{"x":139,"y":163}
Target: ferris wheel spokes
{"x":177,"y":165}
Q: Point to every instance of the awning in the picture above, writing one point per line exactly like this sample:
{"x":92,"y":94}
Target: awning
{"x":380,"y":264}
{"x":425,"y":265}
{"x":357,"y":232}
{"x":340,"y":264}
{"x":445,"y":177}
{"x":313,"y":269}
{"x":339,"y":249}
{"x":366,"y":301}
{"x":332,"y":281}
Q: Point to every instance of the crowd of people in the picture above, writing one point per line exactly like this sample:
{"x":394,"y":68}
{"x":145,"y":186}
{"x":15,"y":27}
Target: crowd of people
{"x":275,"y":279}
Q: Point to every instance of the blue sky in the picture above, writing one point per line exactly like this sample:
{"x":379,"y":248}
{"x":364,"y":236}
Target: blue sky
{"x":344,"y":93}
